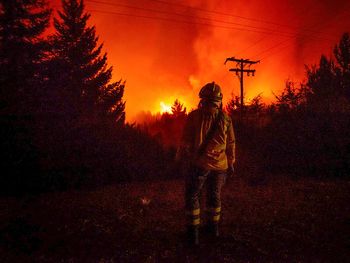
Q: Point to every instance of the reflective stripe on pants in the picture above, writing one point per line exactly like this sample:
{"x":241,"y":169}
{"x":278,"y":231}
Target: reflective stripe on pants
{"x":193,"y":217}
{"x":214,"y":214}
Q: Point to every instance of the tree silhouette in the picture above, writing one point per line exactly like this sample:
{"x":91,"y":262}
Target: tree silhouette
{"x":233,"y":106}
{"x":78,"y":70}
{"x":291,"y":97}
{"x":323,"y":84}
{"x":342,"y":56}
{"x":178,"y":109}
{"x":21,"y":52}
{"x":329,"y":81}
{"x":22,"y":23}
{"x":256,"y":106}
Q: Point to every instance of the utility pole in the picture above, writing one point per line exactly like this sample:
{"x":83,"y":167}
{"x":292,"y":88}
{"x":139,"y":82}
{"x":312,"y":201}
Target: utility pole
{"x":240,"y":70}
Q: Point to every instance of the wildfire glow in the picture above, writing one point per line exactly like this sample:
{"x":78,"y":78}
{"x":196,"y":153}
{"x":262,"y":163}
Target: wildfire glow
{"x":164,"y":108}
{"x":163,"y":59}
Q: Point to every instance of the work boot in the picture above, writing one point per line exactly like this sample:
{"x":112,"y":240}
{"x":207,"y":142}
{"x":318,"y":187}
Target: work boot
{"x":193,"y":235}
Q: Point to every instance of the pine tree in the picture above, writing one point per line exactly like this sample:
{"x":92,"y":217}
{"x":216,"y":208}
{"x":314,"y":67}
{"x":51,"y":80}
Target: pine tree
{"x":80,"y":76}
{"x":22,"y":22}
{"x":178,"y":109}
{"x":329,"y":81}
{"x":342,"y":56}
{"x":323,"y":84}
{"x":291,"y":97}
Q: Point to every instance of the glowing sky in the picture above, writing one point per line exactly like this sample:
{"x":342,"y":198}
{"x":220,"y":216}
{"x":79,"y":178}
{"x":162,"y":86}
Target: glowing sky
{"x":168,"y":49}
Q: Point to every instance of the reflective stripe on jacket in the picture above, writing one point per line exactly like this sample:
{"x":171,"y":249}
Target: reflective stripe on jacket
{"x":220,"y":150}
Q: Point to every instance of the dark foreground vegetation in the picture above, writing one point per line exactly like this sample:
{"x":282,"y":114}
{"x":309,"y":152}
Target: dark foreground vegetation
{"x":282,"y":220}
{"x":79,"y":185}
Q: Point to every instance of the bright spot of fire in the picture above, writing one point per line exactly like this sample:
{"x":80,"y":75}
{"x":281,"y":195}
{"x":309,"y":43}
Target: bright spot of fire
{"x":164,"y":108}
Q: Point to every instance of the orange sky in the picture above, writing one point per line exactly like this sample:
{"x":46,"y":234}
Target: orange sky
{"x":168,"y":49}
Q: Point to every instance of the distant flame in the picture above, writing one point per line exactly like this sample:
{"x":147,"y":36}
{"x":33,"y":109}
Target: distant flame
{"x":164,"y":108}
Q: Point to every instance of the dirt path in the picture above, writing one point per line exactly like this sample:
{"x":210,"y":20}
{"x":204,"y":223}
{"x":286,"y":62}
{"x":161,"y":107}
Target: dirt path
{"x":280,"y":221}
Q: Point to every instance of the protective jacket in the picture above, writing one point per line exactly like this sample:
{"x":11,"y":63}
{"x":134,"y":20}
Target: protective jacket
{"x":219,"y":152}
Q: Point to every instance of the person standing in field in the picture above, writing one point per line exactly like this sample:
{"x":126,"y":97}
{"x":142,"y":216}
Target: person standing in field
{"x":208,"y":145}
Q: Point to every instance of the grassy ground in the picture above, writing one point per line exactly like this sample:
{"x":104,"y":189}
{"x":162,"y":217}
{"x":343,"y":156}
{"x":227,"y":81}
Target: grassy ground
{"x":280,"y":220}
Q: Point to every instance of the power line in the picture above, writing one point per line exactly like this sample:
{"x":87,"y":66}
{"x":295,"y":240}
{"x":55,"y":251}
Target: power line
{"x":253,"y":45}
{"x":280,"y":50}
{"x":273,"y":47}
{"x":179,"y":21}
{"x":264,"y":29}
{"x":176,"y":21}
{"x":283,"y":42}
{"x":188,"y":16}
{"x":184,"y":15}
{"x":198,"y":23}
{"x":218,"y":26}
{"x":194,"y":23}
{"x":170,"y":20}
{"x":235,"y":16}
{"x":257,"y":20}
{"x":305,"y":11}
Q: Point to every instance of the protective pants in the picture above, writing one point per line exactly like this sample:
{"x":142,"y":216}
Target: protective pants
{"x":195,"y":181}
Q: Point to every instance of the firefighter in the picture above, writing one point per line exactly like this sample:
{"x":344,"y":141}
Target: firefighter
{"x":208,"y":143}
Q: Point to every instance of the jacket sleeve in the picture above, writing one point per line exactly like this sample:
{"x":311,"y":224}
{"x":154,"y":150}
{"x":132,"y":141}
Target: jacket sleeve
{"x":230,"y":144}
